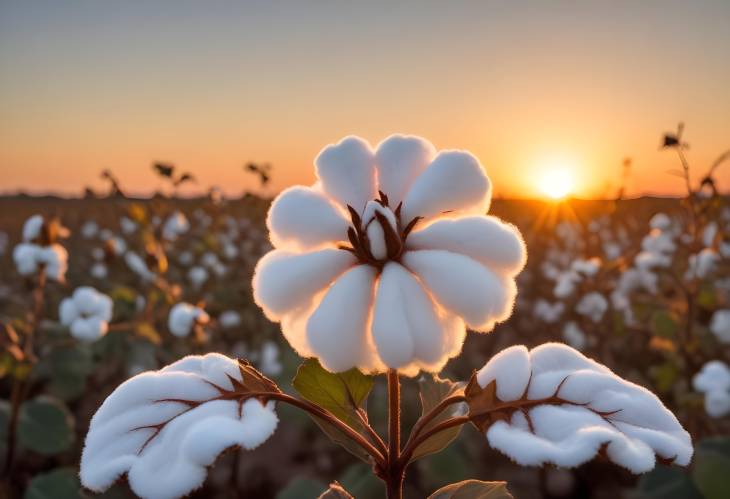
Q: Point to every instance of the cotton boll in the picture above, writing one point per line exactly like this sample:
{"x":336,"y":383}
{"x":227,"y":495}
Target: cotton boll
{"x":89,"y":230}
{"x":548,"y":312}
{"x":649,"y":260}
{"x":229,"y":319}
{"x":587,"y":267}
{"x":32,"y":228}
{"x":701,"y":264}
{"x":580,"y":408}
{"x":720,"y":325}
{"x":86,"y":313}
{"x":400,"y":160}
{"x":173,"y":462}
{"x":98,"y":271}
{"x":54,"y":258}
{"x":574,"y":336}
{"x":658,"y":242}
{"x":565,"y":284}
{"x":660,"y":221}
{"x":709,"y":233}
{"x":510,"y":370}
{"x":128,"y":225}
{"x":269,"y":359}
{"x":593,"y":305}
{"x":197,"y":276}
{"x":176,"y":225}
{"x":185,"y":258}
{"x":183,"y":317}
{"x":137,"y":265}
{"x":714,"y":381}
{"x":25,"y":256}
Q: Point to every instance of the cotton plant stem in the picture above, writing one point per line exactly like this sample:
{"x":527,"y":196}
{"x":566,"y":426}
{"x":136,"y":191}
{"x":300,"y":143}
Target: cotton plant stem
{"x":395,"y":472}
{"x":20,"y":386}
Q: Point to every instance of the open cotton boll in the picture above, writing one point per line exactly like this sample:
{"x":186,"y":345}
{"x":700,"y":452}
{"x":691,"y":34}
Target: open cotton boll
{"x":566,"y":283}
{"x":702,"y":264}
{"x":229,"y":319}
{"x":197,"y":276}
{"x":183,"y":317}
{"x":25,"y":256}
{"x":32,"y":228}
{"x":548,"y":312}
{"x":86,"y":313}
{"x":720,"y":325}
{"x":593,"y":305}
{"x":166,"y":447}
{"x":127,"y":225}
{"x":660,"y":221}
{"x":714,"y":381}
{"x":176,"y":225}
{"x":89,"y":230}
{"x":383,"y":262}
{"x":574,"y":336}
{"x":658,"y":242}
{"x":554,"y":405}
{"x":137,"y":265}
{"x":587,"y":267}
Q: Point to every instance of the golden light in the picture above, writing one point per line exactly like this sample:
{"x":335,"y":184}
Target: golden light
{"x":557,"y":184}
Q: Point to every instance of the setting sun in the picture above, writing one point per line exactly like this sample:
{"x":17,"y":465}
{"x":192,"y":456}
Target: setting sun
{"x":557,"y":184}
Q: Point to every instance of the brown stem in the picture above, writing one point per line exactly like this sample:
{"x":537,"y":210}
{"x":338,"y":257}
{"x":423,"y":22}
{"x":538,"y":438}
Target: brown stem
{"x":20,"y":386}
{"x":374,"y":437}
{"x":395,"y":472}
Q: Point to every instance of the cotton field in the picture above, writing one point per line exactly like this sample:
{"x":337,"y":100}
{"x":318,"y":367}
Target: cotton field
{"x":390,"y":330}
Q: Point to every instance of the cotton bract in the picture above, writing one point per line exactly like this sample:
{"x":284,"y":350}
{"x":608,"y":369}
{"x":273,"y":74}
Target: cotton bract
{"x":388,"y":257}
{"x":163,"y":428}
{"x":566,"y":408}
{"x":183,"y":317}
{"x":86,"y":313}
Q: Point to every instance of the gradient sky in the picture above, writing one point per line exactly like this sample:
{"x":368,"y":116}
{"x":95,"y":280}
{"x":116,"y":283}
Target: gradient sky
{"x":211,"y":85}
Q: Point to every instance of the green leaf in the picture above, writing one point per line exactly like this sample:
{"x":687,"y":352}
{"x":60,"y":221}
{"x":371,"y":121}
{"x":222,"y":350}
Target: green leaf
{"x":339,"y":437}
{"x":340,"y":393}
{"x":473,"y":489}
{"x":301,"y":488}
{"x":665,"y":482}
{"x":61,"y":483}
{"x":359,"y":480}
{"x":67,"y":368}
{"x":663,"y":324}
{"x":432,"y":390}
{"x":45,"y":426}
{"x":711,"y":472}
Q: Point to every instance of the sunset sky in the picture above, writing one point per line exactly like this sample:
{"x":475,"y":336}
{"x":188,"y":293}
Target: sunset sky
{"x":526,"y":86}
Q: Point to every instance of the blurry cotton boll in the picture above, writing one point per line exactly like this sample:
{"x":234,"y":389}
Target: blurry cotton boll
{"x":183,"y":317}
{"x":98,"y":254}
{"x":574,"y":336}
{"x":174,"y":461}
{"x":593,"y":305}
{"x":649,"y":260}
{"x":720,"y":325}
{"x":579,"y":409}
{"x":269,"y":359}
{"x":612,"y":250}
{"x":565,"y":284}
{"x":548,"y":312}
{"x":175,"y":226}
{"x":230,"y":251}
{"x":714,"y":381}
{"x":229,"y":319}
{"x":209,"y":259}
{"x":660,"y":221}
{"x":137,"y":265}
{"x":127,"y":225}
{"x":31,"y":258}
{"x":658,"y":242}
{"x":98,"y":271}
{"x":117,"y":246}
{"x":197,"y":276}
{"x":105,"y":234}
{"x":709,"y":233}
{"x":588,"y":267}
{"x":185,"y":258}
{"x":701,"y":264}
{"x":388,"y":257}
{"x":25,"y":256}
{"x":89,"y":230}
{"x":87,"y":313}
{"x":32,"y":228}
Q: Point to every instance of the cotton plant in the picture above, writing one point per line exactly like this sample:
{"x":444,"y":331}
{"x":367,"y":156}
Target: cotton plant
{"x":86,"y":313}
{"x":40,"y":250}
{"x":378,"y":269}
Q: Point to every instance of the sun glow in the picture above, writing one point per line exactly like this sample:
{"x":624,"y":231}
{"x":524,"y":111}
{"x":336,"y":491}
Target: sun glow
{"x":557,"y":184}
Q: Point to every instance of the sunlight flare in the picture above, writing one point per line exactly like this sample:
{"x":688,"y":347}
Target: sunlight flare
{"x":557,"y":184}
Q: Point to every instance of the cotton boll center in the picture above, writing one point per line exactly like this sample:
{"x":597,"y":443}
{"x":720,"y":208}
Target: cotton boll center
{"x":377,"y":236}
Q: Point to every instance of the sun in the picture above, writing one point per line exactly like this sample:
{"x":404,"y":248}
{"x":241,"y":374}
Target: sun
{"x":557,"y":184}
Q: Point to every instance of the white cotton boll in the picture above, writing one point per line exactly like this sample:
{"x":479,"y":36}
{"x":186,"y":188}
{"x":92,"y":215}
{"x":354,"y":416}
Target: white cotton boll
{"x":660,"y":221}
{"x":98,"y":254}
{"x":574,"y":336}
{"x":565,"y":284}
{"x":285,"y":281}
{"x":612,"y":250}
{"x":346,"y":171}
{"x":658,"y":242}
{"x":25,"y":256}
{"x":98,"y":271}
{"x":176,"y":225}
{"x":454,"y":182}
{"x":209,"y":259}
{"x":708,"y":235}
{"x":89,"y":230}
{"x":197,"y":276}
{"x":550,"y":271}
{"x":55,"y":260}
{"x":701,"y":264}
{"x":593,"y":305}
{"x":720,"y":325}
{"x":173,"y":462}
{"x":400,"y":159}
{"x":269,"y":359}
{"x":587,"y":267}
{"x":127,"y":225}
{"x":182,"y":318}
{"x":137,"y":265}
{"x":717,"y":403}
{"x":463,"y":286}
{"x":649,"y":260}
{"x":596,"y":410}
{"x":337,"y":330}
{"x":548,"y":312}
{"x":303,"y":218}
{"x":86,"y":313}
{"x":230,"y":252}
{"x":724,"y":248}
{"x":714,"y":381}
{"x":219,"y":269}
{"x":118,"y":245}
{"x":488,"y":240}
{"x":32,"y":228}
{"x":510,"y":369}
{"x":229,"y":319}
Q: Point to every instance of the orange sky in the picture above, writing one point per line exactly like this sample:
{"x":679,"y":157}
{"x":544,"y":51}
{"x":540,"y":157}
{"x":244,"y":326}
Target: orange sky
{"x":209,"y":86}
